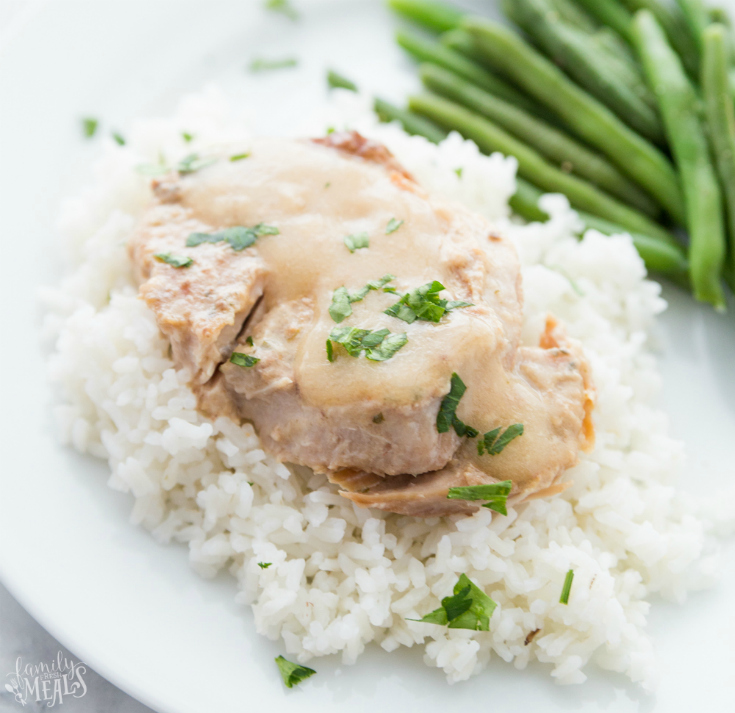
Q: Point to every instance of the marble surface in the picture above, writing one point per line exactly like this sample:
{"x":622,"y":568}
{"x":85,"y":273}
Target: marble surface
{"x":21,"y":635}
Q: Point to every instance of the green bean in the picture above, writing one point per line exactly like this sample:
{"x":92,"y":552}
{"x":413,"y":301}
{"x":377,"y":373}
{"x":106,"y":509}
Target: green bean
{"x":412,"y":123}
{"x":428,"y":51}
{"x":677,"y":98}
{"x":550,"y":142}
{"x":661,"y":257}
{"x":531,"y":165}
{"x":597,"y":72}
{"x":613,"y":14}
{"x":524,"y":202}
{"x":583,"y":114}
{"x":697,"y":16}
{"x":675,"y":26}
{"x":435,"y":16}
{"x":573,"y":14}
{"x":721,"y":117}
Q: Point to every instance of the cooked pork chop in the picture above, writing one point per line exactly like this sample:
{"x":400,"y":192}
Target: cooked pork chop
{"x":305,"y":219}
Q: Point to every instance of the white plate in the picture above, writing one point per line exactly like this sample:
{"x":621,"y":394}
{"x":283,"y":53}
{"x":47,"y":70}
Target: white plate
{"x":134,"y":610}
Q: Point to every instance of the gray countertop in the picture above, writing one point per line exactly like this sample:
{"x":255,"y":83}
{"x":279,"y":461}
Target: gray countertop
{"x":21,"y":635}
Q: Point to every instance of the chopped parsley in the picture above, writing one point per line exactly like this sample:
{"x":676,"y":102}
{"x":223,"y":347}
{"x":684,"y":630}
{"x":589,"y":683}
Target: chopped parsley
{"x":244,"y":360}
{"x":459,"y":171}
{"x":378,"y":345}
{"x":447,"y":415}
{"x":264,"y":565}
{"x":89,"y":127}
{"x":567,"y":588}
{"x":239,"y":156}
{"x":187,"y":137}
{"x":174,"y":260}
{"x":293,"y":673}
{"x":423,"y":303}
{"x":496,"y":494}
{"x":379,"y":418}
{"x":282,"y":6}
{"x":357,"y":241}
{"x":118,"y":138}
{"x":327,"y":184}
{"x":237,"y":237}
{"x":337,"y":81}
{"x":193,"y":162}
{"x":493,"y":442}
{"x":249,"y":341}
{"x":393,"y":225}
{"x":342,"y":300}
{"x":261,"y":64}
{"x":341,"y":307}
{"x":468,"y":608}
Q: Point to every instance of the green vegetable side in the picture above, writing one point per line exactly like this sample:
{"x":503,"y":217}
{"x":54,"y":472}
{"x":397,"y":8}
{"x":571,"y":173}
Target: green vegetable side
{"x":625,"y":106}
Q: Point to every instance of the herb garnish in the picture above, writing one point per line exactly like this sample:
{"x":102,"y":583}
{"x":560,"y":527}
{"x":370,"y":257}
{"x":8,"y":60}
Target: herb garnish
{"x":264,"y":565}
{"x":379,"y":345}
{"x":282,"y":6}
{"x":249,"y":341}
{"x":393,"y":225}
{"x":187,"y":136}
{"x":237,"y":237}
{"x":496,"y":494}
{"x":459,"y":171}
{"x":239,"y":156}
{"x":174,"y":260}
{"x":337,"y":81}
{"x":293,"y":673}
{"x":342,"y":299}
{"x":469,"y":608}
{"x":89,"y":127}
{"x":564,"y":599}
{"x":244,"y":360}
{"x":357,"y":241}
{"x":379,"y":418}
{"x":261,"y":64}
{"x":423,"y":303}
{"x":493,"y":442}
{"x":447,"y":415}
{"x":119,"y":138}
{"x":193,"y":162}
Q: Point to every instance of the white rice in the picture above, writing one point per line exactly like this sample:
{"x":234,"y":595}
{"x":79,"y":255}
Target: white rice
{"x":342,"y":576}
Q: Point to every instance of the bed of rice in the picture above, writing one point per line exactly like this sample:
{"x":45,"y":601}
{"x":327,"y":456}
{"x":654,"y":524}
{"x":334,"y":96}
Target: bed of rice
{"x":342,"y":576}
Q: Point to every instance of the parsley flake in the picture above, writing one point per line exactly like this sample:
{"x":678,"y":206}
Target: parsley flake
{"x":249,"y":341}
{"x":118,"y":138}
{"x":493,"y":442}
{"x":261,"y":64}
{"x":447,"y":415}
{"x":393,"y":225}
{"x":342,"y":300}
{"x":357,"y":241}
{"x":193,"y":162}
{"x":378,"y":418}
{"x":237,"y":237}
{"x":459,"y":171}
{"x":468,"y":608}
{"x":244,"y":360}
{"x":282,"y":6}
{"x":293,"y":673}
{"x":89,"y":127}
{"x":187,"y":137}
{"x":564,"y":599}
{"x":239,"y":156}
{"x":174,"y":260}
{"x":423,"y":303}
{"x":264,"y":565}
{"x":379,"y":345}
{"x":337,"y":81}
{"x":496,"y":494}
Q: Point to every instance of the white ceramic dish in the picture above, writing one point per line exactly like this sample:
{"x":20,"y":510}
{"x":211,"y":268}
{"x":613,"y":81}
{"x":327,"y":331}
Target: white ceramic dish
{"x":134,"y":610}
